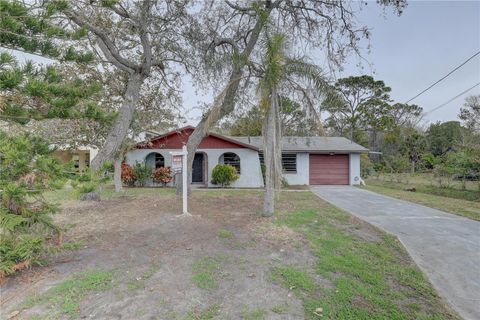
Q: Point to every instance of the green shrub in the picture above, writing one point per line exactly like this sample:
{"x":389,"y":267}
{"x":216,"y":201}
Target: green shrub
{"x":14,"y":251}
{"x":142,"y":172}
{"x":87,"y":187}
{"x":366,"y":166}
{"x":224,"y":174}
{"x":85,"y":182}
{"x":58,"y":184}
{"x":27,"y":169}
{"x":85,"y":176}
{"x":264,"y":170}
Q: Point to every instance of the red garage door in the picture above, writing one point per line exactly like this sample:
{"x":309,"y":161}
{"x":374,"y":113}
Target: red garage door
{"x":329,"y":169}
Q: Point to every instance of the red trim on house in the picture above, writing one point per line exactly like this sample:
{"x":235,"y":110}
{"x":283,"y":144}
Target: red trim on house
{"x":177,"y":138}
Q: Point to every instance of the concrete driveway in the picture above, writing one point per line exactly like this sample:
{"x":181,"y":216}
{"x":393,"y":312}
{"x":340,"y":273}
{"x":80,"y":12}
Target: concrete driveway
{"x":445,"y":246}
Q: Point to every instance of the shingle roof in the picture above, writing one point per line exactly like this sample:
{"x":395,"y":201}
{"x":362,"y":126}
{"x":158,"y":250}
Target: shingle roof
{"x":312,"y":144}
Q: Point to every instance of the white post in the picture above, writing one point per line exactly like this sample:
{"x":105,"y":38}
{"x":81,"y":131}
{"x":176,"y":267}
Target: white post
{"x":185,"y":179}
{"x":184,"y":169}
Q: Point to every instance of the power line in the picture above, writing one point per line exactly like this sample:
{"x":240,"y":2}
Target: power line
{"x":458,"y":67}
{"x":444,"y":104}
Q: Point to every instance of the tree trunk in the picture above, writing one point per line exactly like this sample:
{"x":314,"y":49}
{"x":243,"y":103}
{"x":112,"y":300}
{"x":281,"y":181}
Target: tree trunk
{"x":117,"y":174}
{"x":222,"y":106}
{"x":225,"y":102}
{"x":272,"y":154}
{"x":413,"y":167}
{"x":119,"y":131}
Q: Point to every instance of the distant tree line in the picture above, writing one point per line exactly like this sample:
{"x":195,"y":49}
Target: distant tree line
{"x":360,"y":108}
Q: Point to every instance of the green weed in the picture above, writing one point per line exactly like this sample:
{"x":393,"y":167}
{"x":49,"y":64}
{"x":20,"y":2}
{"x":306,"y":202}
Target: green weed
{"x":293,"y":278}
{"x":206,"y":271}
{"x":64,"y":298}
{"x":205,"y":314}
{"x":225,"y":234}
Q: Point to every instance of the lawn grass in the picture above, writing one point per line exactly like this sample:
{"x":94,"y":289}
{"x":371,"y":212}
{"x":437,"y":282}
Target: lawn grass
{"x":67,"y":193}
{"x":63,"y":300}
{"x":367,"y":278}
{"x":465,"y":208}
{"x":224,"y":234}
{"x":426,"y":183}
{"x":255,"y":314}
{"x":206,"y":271}
{"x":293,"y":278}
{"x":424,"y":178}
{"x":370,"y":279}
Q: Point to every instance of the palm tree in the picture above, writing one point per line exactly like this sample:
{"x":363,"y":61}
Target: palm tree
{"x":278,"y":72}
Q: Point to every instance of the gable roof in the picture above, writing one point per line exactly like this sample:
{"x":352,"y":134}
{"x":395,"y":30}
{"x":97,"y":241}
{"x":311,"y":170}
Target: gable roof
{"x":289,"y":143}
{"x":176,"y":138}
{"x":312,"y":144}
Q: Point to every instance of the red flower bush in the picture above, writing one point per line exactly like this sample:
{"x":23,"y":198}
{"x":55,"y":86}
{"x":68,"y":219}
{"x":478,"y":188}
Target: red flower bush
{"x":128,"y":176}
{"x":162,"y":175}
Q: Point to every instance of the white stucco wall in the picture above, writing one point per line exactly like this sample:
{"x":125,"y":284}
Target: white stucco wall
{"x":354,"y":168}
{"x":250,"y":171}
{"x":302,"y":175}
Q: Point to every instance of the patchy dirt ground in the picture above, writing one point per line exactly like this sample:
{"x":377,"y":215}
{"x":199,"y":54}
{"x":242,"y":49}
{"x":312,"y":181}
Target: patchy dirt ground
{"x":139,"y":260}
{"x":154,"y":253}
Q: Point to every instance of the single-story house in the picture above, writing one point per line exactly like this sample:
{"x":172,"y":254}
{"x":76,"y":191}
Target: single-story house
{"x":81,"y":156}
{"x":305,"y":160}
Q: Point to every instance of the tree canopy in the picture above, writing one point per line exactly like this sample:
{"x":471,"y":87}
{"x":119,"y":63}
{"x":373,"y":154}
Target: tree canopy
{"x":470,"y":113}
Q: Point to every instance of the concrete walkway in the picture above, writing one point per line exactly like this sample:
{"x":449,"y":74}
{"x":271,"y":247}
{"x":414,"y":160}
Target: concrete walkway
{"x":445,"y":246}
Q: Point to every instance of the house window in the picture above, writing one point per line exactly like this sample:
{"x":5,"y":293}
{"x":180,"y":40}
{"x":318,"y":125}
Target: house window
{"x":260,"y":156}
{"x":289,"y":162}
{"x":159,"y":161}
{"x":232,"y":159}
{"x":76,"y":160}
{"x":155,"y":160}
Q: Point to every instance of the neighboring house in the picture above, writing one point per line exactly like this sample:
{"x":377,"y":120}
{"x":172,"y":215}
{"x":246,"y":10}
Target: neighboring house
{"x":306,"y":160}
{"x":81,"y":156}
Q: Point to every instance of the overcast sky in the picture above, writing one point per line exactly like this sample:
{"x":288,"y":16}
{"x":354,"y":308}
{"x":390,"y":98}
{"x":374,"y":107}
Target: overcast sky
{"x":425,"y":43}
{"x":410,"y":53}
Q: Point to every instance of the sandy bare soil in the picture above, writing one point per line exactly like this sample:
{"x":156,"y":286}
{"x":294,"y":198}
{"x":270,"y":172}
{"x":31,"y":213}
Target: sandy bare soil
{"x":153,"y":254}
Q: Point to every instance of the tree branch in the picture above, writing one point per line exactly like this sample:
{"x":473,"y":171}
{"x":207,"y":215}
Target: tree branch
{"x":105,"y":44}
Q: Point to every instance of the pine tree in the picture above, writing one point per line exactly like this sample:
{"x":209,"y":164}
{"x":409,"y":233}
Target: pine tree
{"x":26,"y":170}
{"x":31,"y":92}
{"x":27,"y":167}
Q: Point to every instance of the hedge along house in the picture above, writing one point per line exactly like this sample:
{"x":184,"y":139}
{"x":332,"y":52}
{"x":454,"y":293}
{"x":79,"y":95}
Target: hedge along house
{"x":305,"y":160}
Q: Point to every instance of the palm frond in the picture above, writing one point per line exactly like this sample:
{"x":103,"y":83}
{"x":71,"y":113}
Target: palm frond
{"x":311,"y":73}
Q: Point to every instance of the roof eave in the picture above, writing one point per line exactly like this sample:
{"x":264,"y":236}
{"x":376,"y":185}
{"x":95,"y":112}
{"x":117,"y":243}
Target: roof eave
{"x":216,"y":135}
{"x":324,"y":151}
{"x":246,"y":145}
